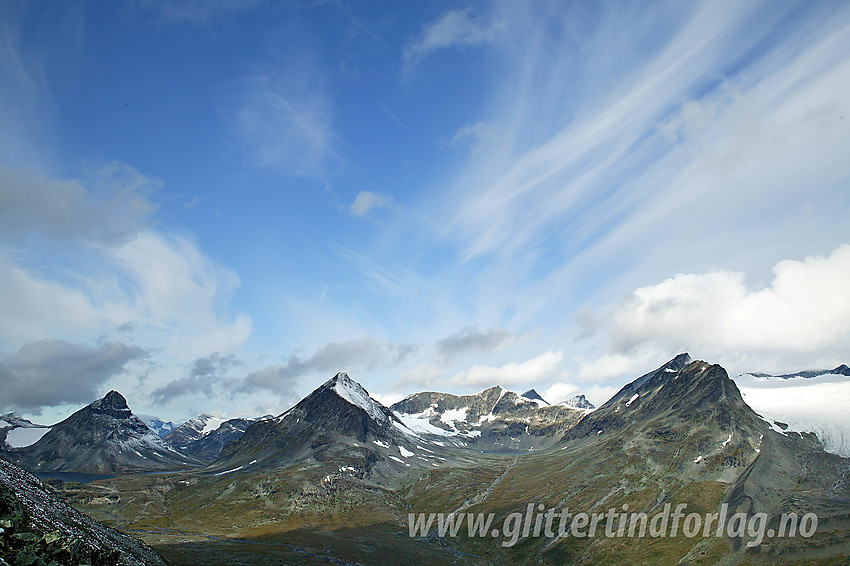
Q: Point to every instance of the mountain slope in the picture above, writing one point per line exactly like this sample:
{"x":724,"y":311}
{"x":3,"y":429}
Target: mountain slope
{"x":679,"y":434}
{"x":104,"y":437}
{"x":35,"y":524}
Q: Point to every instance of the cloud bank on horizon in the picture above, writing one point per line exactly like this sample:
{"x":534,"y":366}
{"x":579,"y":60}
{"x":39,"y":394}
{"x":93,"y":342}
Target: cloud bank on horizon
{"x":213,"y":209}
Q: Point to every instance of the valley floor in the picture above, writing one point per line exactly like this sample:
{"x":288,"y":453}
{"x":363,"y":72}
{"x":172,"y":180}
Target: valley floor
{"x":288,"y":517}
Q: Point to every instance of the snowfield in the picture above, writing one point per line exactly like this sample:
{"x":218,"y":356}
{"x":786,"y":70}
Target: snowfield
{"x":818,"y":404}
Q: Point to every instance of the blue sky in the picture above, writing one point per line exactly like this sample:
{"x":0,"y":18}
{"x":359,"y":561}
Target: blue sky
{"x":213,"y":207}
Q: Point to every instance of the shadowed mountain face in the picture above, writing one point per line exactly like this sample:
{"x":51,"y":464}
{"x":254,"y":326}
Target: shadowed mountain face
{"x":104,"y":437}
{"x":39,"y":528}
{"x":679,"y":391}
{"x":534,"y":396}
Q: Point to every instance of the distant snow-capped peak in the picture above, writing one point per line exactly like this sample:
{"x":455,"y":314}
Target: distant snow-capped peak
{"x":578,"y":402}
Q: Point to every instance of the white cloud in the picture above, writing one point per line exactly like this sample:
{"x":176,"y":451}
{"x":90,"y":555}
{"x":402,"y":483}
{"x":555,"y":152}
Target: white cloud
{"x":455,"y":28}
{"x":425,"y":373}
{"x":367,"y":201}
{"x":560,"y":391}
{"x":350,"y":356}
{"x":33,"y":307}
{"x":470,"y":339}
{"x":471,"y":133}
{"x":177,"y":289}
{"x":387,"y":399}
{"x":804,"y":313}
{"x":98,"y":266}
{"x":541,"y":368}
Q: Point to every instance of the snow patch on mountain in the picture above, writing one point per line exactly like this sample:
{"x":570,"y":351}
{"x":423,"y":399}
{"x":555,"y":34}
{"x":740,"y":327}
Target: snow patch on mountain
{"x":451,"y":416}
{"x":355,"y":394}
{"x":418,"y":422}
{"x":211,"y":425}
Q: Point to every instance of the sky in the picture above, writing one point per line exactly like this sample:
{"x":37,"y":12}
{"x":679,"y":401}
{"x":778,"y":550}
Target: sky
{"x":216,"y":206}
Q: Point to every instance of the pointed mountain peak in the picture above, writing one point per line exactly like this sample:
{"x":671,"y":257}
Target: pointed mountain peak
{"x":356,"y":395}
{"x":112,"y":401}
{"x":534,"y":396}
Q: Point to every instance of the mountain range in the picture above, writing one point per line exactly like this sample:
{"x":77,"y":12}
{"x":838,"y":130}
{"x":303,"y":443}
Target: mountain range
{"x":336,"y":475}
{"x":205,"y":436}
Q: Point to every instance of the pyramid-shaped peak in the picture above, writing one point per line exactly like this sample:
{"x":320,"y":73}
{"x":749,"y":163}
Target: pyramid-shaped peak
{"x":355,"y":394}
{"x":112,"y":401}
{"x":534,"y":396}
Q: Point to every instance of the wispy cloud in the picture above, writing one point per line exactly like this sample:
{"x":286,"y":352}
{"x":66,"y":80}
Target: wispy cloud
{"x":628,"y":161}
{"x":368,"y":201}
{"x":378,"y":276}
{"x":284,"y":122}
{"x":27,"y":100}
{"x":197,"y":12}
{"x":455,"y":28}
